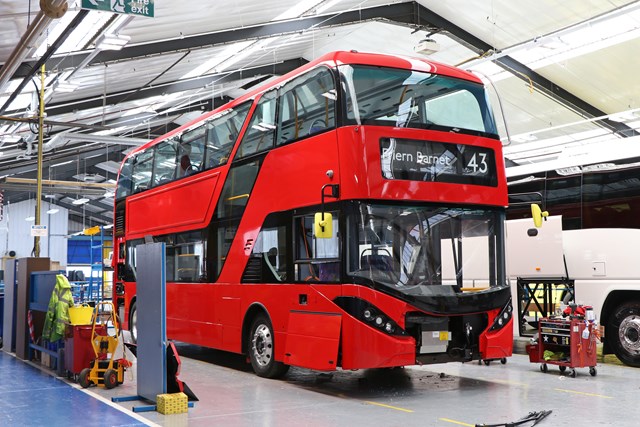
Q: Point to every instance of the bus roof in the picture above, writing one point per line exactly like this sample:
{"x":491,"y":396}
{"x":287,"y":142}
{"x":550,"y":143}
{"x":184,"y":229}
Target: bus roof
{"x":332,"y":59}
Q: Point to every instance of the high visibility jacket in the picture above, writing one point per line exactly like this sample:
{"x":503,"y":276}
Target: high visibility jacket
{"x":58,"y":312}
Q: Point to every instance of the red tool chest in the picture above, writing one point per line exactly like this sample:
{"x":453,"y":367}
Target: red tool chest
{"x":566,"y":344}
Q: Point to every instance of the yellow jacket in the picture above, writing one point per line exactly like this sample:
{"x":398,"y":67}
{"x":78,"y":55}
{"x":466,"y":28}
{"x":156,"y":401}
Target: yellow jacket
{"x":57,"y":317}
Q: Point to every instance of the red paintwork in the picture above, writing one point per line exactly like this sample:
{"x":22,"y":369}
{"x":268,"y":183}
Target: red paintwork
{"x":310,"y":334}
{"x":498,"y":344}
{"x":187,"y":205}
{"x":313,"y":340}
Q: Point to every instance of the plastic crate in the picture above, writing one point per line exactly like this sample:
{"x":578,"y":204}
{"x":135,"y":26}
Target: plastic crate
{"x":172,"y":403}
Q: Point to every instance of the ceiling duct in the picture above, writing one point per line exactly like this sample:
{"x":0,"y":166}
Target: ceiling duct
{"x":62,"y":138}
{"x":29,"y":38}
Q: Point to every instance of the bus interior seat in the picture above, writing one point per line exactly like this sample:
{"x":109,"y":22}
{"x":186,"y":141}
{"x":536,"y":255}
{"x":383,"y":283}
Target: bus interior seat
{"x":318,"y":125}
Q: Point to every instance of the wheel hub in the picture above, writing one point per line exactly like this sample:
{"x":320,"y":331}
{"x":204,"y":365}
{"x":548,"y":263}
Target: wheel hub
{"x":629,"y":334}
{"x":262,"y":345}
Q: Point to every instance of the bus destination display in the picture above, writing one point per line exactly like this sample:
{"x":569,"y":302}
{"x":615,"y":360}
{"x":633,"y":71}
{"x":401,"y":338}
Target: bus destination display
{"x":416,"y":160}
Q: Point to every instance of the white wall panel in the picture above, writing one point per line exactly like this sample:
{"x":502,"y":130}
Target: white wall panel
{"x":15,"y":231}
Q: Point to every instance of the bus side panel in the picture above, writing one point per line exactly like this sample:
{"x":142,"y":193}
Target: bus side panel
{"x":279,"y":301}
{"x":364,"y":347}
{"x":192,"y":311}
{"x":313,"y":340}
{"x":496,"y":345}
{"x":185,"y":205}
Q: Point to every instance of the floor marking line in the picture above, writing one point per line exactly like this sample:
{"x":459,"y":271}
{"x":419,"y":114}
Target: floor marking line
{"x":460,"y":423}
{"x":583,"y":393}
{"x":114,"y":405}
{"x":103,"y":399}
{"x":388,"y":406}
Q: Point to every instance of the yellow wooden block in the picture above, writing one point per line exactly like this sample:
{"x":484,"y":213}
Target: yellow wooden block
{"x":172,"y":403}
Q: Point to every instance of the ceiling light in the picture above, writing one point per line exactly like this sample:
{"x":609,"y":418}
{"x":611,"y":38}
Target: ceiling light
{"x":30,"y":218}
{"x":11,"y":139}
{"x":81,"y":201}
{"x":53,"y":211}
{"x":66,"y":87}
{"x":226,"y":57}
{"x":60,"y":164}
{"x":112,"y":41}
{"x":427,"y":47}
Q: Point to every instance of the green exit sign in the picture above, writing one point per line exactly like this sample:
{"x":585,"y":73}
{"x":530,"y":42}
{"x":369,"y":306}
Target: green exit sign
{"x":128,"y":7}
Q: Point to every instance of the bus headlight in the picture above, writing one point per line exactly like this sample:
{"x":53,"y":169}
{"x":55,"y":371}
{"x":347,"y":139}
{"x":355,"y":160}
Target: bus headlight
{"x":502,"y":318}
{"x":370,"y":314}
{"x":389,"y":328}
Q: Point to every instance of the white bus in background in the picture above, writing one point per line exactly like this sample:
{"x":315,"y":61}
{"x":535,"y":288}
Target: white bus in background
{"x":591,"y":239}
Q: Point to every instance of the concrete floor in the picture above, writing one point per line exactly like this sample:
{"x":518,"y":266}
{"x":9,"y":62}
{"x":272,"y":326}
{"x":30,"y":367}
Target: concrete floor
{"x":436,"y":395}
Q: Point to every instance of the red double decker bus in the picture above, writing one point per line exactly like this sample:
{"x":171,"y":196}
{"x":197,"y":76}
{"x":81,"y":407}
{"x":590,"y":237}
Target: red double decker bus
{"x":347,"y":215}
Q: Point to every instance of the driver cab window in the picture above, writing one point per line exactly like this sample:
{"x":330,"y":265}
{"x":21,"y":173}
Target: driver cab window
{"x":317,"y":258}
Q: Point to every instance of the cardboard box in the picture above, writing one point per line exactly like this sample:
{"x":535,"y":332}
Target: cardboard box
{"x":172,"y":403}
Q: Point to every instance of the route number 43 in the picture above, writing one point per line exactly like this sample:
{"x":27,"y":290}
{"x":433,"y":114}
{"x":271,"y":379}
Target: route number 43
{"x":478,"y":163}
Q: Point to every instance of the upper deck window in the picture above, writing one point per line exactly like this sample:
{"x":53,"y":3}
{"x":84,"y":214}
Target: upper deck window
{"x":165,"y":161}
{"x":125,"y":180}
{"x":303,"y":107}
{"x":204,"y":146}
{"x":307,"y":106}
{"x":262,"y":127}
{"x":406,"y":98}
{"x":222,"y":134}
{"x":142,"y":170}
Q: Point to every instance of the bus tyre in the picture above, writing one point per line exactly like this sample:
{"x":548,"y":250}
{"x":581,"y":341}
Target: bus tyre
{"x":261,"y":349}
{"x":133,"y":323}
{"x":624,"y":333}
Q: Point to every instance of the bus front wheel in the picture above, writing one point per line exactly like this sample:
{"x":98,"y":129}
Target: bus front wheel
{"x":133,"y":323}
{"x":261,"y":349}
{"x":624,"y":333}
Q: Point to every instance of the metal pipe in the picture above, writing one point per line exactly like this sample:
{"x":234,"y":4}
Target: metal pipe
{"x":37,"y":27}
{"x":39,"y":177}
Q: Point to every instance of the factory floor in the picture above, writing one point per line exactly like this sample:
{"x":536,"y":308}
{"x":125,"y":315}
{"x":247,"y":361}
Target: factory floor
{"x":231,"y":395}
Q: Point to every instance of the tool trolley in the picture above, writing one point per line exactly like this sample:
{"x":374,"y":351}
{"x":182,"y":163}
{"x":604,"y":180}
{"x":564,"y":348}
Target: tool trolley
{"x":105,"y":370}
{"x":567,"y":343}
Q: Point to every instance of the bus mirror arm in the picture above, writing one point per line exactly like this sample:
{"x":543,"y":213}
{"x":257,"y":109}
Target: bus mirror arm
{"x":335,"y":193}
{"x":323,"y":225}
